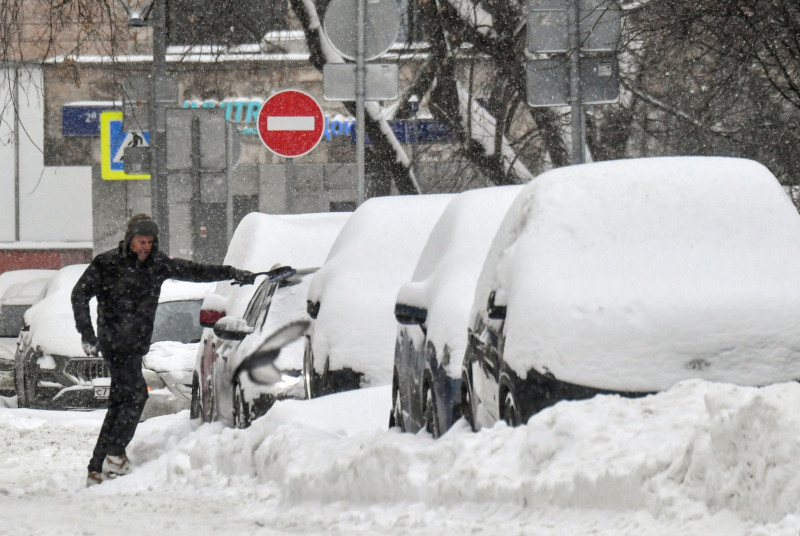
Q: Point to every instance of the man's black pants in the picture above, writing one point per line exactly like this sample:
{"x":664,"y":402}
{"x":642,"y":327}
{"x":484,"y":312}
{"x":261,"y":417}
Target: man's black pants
{"x":125,"y":405}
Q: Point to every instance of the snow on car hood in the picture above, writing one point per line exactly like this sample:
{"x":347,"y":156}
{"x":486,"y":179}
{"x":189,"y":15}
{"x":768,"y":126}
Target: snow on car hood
{"x":167,"y":356}
{"x":636,"y":274}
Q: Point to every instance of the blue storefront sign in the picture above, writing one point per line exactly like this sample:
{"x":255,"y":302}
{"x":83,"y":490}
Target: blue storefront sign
{"x":83,"y":118}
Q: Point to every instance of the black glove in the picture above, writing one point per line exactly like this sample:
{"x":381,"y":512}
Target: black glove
{"x":243,"y":277}
{"x":90,"y":348}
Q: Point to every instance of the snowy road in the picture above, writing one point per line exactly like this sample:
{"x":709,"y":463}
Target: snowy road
{"x":701,"y":459}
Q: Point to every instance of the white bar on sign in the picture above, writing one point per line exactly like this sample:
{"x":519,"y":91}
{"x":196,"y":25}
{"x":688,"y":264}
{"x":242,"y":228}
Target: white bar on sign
{"x":280,"y":122}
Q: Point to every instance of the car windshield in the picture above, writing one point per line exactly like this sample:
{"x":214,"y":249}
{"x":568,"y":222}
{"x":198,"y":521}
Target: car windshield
{"x":11,"y":319}
{"x":177,"y":321}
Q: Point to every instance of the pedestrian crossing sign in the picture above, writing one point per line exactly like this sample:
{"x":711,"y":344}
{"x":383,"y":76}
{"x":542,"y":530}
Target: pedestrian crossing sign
{"x":113,"y":141}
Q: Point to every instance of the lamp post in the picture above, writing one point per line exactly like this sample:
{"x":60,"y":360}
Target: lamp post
{"x":158,"y":128}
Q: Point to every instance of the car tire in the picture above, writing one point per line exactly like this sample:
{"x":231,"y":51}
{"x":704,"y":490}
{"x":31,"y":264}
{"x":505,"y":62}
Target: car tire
{"x":242,"y":417}
{"x":510,"y":410}
{"x":396,"y":414}
{"x":467,"y":409}
{"x":196,"y":406}
{"x":310,"y":379}
{"x":429,"y":411}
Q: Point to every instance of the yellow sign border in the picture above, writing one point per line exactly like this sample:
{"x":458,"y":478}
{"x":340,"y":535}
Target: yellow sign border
{"x":105,"y":150}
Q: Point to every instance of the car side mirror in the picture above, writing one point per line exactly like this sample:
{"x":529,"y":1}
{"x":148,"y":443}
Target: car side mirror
{"x":495,"y":310}
{"x":232,"y":329}
{"x":260,"y":365}
{"x":313,"y":309}
{"x":410,"y":315}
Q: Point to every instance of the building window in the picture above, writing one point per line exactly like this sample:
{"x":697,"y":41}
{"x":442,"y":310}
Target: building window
{"x":342,"y":206}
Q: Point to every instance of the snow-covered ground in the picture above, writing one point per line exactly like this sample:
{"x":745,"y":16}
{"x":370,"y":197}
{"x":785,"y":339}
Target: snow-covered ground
{"x":700,"y":459}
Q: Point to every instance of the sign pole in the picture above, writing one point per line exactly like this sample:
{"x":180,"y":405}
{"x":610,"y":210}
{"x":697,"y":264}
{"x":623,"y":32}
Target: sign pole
{"x":360,"y":91}
{"x":575,"y":97}
{"x":158,"y":131}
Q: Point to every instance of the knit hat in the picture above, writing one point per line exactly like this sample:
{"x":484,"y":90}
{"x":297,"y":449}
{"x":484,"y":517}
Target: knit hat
{"x":143,"y":225}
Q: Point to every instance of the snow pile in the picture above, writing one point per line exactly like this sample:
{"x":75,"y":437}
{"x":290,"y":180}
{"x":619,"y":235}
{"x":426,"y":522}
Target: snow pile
{"x":637,"y":274}
{"x":701,"y":459}
{"x":356,"y":287}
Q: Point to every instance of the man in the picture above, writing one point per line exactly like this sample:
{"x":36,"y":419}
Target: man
{"x":127,"y":282}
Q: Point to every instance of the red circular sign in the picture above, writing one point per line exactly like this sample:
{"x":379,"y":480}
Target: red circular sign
{"x":290,"y":123}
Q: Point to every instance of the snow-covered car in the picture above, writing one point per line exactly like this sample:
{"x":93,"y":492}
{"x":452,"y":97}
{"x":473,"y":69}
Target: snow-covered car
{"x":19,"y":289}
{"x":260,"y":243}
{"x":351,"y":297}
{"x":630,"y":276}
{"x":275,"y":304}
{"x":433,"y":311}
{"x":52,"y":371}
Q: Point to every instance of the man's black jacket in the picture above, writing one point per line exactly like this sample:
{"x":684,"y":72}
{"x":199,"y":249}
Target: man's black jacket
{"x":127,"y":293}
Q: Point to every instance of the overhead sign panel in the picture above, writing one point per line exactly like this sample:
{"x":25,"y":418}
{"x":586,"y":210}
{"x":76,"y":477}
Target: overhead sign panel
{"x":548,"y":81}
{"x":291,"y":123}
{"x":599,"y":26}
{"x":339,"y":81}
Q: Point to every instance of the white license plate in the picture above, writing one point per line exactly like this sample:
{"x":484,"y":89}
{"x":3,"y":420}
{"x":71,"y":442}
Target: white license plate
{"x":101,"y":392}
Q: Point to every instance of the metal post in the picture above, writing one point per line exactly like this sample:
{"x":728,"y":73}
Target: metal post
{"x":229,"y":177}
{"x":413,"y":104}
{"x":158,"y":129}
{"x":360,"y":92}
{"x":575,"y":97}
{"x":17,"y":154}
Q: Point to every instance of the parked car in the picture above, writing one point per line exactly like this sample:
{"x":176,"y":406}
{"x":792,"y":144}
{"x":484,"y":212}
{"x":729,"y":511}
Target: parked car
{"x":53,"y":372}
{"x":19,"y":289}
{"x":630,"y":276}
{"x":260,"y":242}
{"x":351,"y":297}
{"x":63,"y":279}
{"x":433,"y":311}
{"x":237,"y":399}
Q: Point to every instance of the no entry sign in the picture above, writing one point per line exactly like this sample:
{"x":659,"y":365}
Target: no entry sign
{"x":290,"y":123}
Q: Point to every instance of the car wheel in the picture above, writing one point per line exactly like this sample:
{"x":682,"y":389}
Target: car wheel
{"x":196,"y":407}
{"x":467,"y":409}
{"x":396,"y":415}
{"x":308,"y":371}
{"x":241,"y":409}
{"x":19,"y":386}
{"x":29,"y":388}
{"x":510,"y":410}
{"x":429,"y":411}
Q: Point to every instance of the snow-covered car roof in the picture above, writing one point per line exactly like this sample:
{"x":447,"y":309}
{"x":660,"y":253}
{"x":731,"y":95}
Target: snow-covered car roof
{"x":261,"y":241}
{"x":24,"y":293}
{"x":447,"y":271}
{"x":18,"y":278}
{"x":633,"y":275}
{"x":356,"y":287}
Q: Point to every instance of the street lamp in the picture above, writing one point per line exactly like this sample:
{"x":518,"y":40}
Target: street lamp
{"x":137,"y":17}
